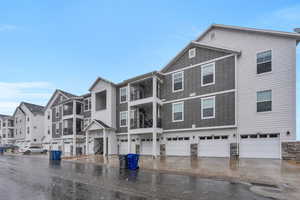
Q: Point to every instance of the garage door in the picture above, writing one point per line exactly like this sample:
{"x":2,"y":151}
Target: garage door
{"x":178,"y":146}
{"x":123,"y":147}
{"x":213,"y":146}
{"x":260,"y":146}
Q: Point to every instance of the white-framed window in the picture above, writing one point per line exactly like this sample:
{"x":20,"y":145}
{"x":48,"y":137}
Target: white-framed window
{"x":57,"y":128}
{"x":178,"y":81}
{"x":178,"y":112}
{"x":57,"y":112}
{"x":264,"y":62}
{"x":208,"y":74}
{"x":208,"y":105}
{"x":192,"y":53}
{"x":123,"y":94}
{"x":123,"y":118}
{"x":87,"y":104}
{"x":264,"y":101}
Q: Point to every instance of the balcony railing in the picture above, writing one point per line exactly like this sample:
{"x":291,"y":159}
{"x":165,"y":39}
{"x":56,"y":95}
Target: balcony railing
{"x":68,"y":131}
{"x":135,"y":124}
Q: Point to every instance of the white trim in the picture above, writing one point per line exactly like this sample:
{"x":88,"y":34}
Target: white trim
{"x":214,"y":107}
{"x":214,"y":73}
{"x":192,"y":53}
{"x":199,"y":96}
{"x":182,"y":74}
{"x":198,"y":64}
{"x":182,"y":112}
{"x":126,"y":88}
{"x":88,"y":100}
{"x":262,"y":51}
{"x":200,"y":128}
{"x":126,"y":118}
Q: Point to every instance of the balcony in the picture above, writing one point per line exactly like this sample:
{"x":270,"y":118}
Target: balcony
{"x":141,"y":116}
{"x":68,"y":108}
{"x":68,"y":127}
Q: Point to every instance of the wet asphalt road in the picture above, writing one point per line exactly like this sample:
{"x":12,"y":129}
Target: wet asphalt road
{"x":34,"y":178}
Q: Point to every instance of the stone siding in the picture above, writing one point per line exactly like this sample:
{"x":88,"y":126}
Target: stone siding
{"x":290,"y":150}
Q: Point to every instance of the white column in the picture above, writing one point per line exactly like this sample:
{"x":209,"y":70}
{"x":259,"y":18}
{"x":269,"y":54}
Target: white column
{"x":104,"y":143}
{"x":74,"y":128}
{"x":87,"y":142}
{"x":129,"y":143}
{"x":154,"y":116}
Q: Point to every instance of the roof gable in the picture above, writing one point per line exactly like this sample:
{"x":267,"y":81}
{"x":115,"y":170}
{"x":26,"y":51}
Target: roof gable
{"x":292,"y":35}
{"x":57,"y":93}
{"x":98,"y":80}
{"x":204,"y":52}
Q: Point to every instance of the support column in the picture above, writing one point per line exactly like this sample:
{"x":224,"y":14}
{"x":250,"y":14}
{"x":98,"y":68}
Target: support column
{"x":129,"y":143}
{"x":104,"y":143}
{"x":74,"y":128}
{"x":154,"y":144}
{"x":154,"y":116}
{"x":86,"y":142}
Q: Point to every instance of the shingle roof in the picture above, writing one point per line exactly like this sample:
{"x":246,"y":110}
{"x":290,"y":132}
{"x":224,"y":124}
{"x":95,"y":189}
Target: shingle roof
{"x":102,"y":123}
{"x":4,"y":116}
{"x":35,"y":109}
{"x":68,"y":94}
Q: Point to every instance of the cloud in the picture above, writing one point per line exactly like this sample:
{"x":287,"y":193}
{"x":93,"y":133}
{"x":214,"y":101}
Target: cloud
{"x":12,"y":93}
{"x":7,"y":27}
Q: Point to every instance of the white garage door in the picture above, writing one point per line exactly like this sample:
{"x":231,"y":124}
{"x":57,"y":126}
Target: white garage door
{"x":178,"y":146}
{"x":123,"y":148}
{"x":217,"y":146}
{"x":260,"y":146}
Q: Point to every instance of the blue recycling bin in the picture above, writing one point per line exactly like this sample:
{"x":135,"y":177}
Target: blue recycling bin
{"x":55,"y":155}
{"x":132,"y":161}
{"x":1,"y":151}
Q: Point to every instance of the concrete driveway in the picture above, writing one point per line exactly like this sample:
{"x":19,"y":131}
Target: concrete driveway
{"x":264,"y":172}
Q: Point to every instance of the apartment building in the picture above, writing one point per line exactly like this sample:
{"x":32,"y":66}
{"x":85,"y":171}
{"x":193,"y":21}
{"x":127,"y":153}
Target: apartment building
{"x":229,"y":92}
{"x":6,"y":130}
{"x":64,"y":120}
{"x":29,"y":124}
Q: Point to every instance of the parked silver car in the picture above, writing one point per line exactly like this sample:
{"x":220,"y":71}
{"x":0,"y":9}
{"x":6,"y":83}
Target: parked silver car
{"x":32,"y":149}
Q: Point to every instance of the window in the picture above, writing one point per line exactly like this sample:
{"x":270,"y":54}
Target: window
{"x":264,"y":101}
{"x":57,"y":128}
{"x":253,"y":136}
{"x":273,"y":135}
{"x":208,"y":74}
{"x":192,"y":53}
{"x":123,"y":94}
{"x":264,"y":62}
{"x":202,"y":138}
{"x":208,"y":108}
{"x":27,"y":130}
{"x":101,"y":100}
{"x":177,"y":112}
{"x":123,"y":119}
{"x":87,"y":104}
{"x":186,"y":138}
{"x":28,"y":119}
{"x":57,"y":112}
{"x":177,"y":81}
{"x":48,"y":115}
{"x":224,"y":137}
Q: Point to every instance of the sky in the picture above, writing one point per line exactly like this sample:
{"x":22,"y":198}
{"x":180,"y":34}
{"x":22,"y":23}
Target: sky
{"x":52,"y":44}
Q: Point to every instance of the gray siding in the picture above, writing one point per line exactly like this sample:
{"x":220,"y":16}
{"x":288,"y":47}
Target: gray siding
{"x":202,"y":55}
{"x":120,"y":107}
{"x":224,"y":114}
{"x":224,"y":80}
{"x":87,"y":114}
{"x":57,"y":100}
{"x":54,"y":134}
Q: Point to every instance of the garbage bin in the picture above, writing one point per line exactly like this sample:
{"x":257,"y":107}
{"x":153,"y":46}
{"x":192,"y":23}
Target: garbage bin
{"x":55,"y":155}
{"x":1,"y":151}
{"x":123,"y":161}
{"x":133,"y":161}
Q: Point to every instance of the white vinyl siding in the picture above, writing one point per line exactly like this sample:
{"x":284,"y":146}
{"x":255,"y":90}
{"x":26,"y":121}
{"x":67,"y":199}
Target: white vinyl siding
{"x":208,"y":74}
{"x":208,"y":108}
{"x":178,"y":81}
{"x":177,"y":112}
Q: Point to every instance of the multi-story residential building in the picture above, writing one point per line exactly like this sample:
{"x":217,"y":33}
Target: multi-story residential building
{"x":29,"y":124}
{"x":231,"y":91}
{"x":64,"y":121}
{"x":6,"y":130}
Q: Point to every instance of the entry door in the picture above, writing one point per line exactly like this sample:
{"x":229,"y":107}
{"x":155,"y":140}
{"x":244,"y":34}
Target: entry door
{"x":98,"y":146}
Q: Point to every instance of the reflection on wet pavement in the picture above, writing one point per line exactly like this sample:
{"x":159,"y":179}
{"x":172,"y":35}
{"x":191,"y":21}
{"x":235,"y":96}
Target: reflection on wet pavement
{"x":30,"y":178}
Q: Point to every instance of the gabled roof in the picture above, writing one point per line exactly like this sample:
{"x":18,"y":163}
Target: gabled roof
{"x":136,"y":78}
{"x":5,"y":116}
{"x":100,"y":79}
{"x":99,"y":123}
{"x":35,"y":109}
{"x":58,"y":91}
{"x":200,"y":45}
{"x":295,"y":36}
